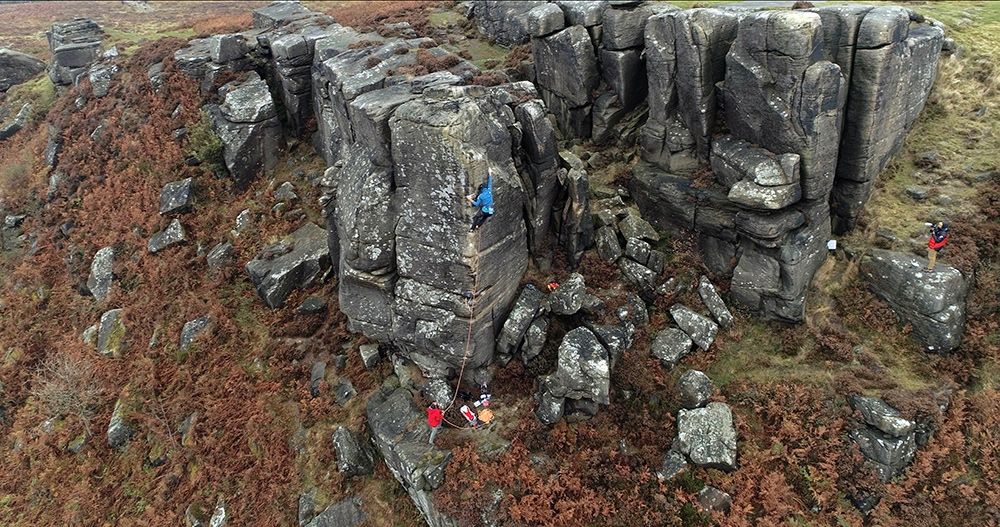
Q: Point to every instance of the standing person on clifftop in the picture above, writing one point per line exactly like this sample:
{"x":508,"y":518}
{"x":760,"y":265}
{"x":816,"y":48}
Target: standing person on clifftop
{"x":939,"y":237}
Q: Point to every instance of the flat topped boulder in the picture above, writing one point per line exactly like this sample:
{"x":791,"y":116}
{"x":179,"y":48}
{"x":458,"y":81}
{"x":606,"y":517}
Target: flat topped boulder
{"x":708,"y":436}
{"x":297,"y":262}
{"x":17,"y":67}
{"x":934,"y":303}
{"x":583,"y":370}
{"x":249,"y":102}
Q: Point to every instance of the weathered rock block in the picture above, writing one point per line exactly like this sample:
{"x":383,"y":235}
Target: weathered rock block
{"x":708,"y":436}
{"x":299,"y":261}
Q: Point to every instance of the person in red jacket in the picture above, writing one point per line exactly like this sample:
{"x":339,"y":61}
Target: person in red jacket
{"x":939,"y":237}
{"x":434,"y":417}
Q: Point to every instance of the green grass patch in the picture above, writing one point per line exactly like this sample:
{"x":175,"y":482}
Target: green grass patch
{"x":128,"y":41}
{"x":40,"y":92}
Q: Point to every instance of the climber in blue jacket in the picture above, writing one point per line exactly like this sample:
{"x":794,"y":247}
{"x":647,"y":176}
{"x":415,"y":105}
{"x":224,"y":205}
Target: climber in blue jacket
{"x":484,"y":200}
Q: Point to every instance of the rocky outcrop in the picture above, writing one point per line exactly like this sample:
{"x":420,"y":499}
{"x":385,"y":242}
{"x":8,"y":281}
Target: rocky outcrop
{"x":934,"y":303}
{"x":17,"y":123}
{"x":408,"y":263}
{"x":17,"y":67}
{"x":885,"y":438}
{"x":299,"y":261}
{"x":893,"y":63}
{"x":248,"y":125}
{"x":74,"y":45}
{"x":400,"y":432}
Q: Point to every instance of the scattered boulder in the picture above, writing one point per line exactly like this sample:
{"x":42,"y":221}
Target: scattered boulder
{"x":299,"y":261}
{"x":192,"y":329}
{"x":693,"y":389}
{"x":316,"y":376}
{"x":177,"y":196}
{"x":370,"y":355}
{"x":583,"y":370}
{"x":708,"y":436}
{"x":701,"y":330}
{"x":344,"y":391}
{"x":169,"y":237}
{"x":220,"y":256}
{"x":119,"y":429}
{"x":17,"y":67}
{"x":101,"y":275}
{"x":674,"y":464}
{"x":714,"y":303}
{"x":519,"y":319}
{"x":568,"y":297}
{"x":344,"y":513}
{"x":18,"y":122}
{"x":670,"y":346}
{"x":712,"y":499}
{"x":111,"y":334}
{"x":606,"y":242}
{"x":934,"y":303}
{"x":355,"y":455}
{"x":311,"y":305}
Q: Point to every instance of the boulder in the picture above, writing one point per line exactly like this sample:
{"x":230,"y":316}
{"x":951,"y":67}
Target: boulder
{"x":617,"y":338}
{"x":249,"y":102}
{"x":670,"y":346}
{"x":370,"y":355}
{"x":225,"y":48}
{"x":505,"y":21}
{"x":550,"y":407}
{"x":735,"y":160}
{"x":638,"y":274}
{"x":299,"y":261}
{"x":220,"y":256}
{"x":534,"y":339}
{"x":100,"y":78}
{"x":101,"y":274}
{"x":18,"y":122}
{"x":708,"y":436}
{"x":247,"y":124}
{"x":623,"y":28}
{"x":74,"y":45}
{"x":701,"y":330}
{"x":120,"y":430}
{"x":519,"y":319}
{"x":316,"y":376}
{"x":355,"y":455}
{"x":192,"y":329}
{"x":693,"y":389}
{"x":344,"y":391}
{"x":714,"y":303}
{"x":633,"y":226}
{"x":889,"y":454}
{"x":606,"y":242}
{"x":568,"y":297}
{"x":344,"y":513}
{"x":311,"y":305}
{"x":934,"y":303}
{"x":566,"y":65}
{"x":545,"y":20}
{"x":674,"y":464}
{"x":880,"y":415}
{"x":17,"y":67}
{"x":582,"y":369}
{"x":587,"y":13}
{"x":177,"y":196}
{"x":576,"y":230}
{"x":712,"y":499}
{"x":400,"y":433}
{"x":111,"y":334}
{"x":753,"y":196}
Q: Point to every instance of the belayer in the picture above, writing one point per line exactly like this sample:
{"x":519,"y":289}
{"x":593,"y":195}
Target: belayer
{"x":939,"y":237}
{"x":484,"y":200}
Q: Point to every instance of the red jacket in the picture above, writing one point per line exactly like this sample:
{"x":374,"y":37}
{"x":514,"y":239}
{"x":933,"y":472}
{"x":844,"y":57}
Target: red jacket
{"x":434,"y":416}
{"x":939,"y":237}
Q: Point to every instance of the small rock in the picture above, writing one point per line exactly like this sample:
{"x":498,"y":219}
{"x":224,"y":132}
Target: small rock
{"x":693,"y":389}
{"x":370,"y":355}
{"x":312,"y":304}
{"x":712,"y":499}
{"x":917,"y":193}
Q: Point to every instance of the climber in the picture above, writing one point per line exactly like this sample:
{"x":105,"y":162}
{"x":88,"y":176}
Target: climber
{"x":469,"y":415}
{"x":939,"y":237}
{"x":484,"y":200}
{"x":434,"y":417}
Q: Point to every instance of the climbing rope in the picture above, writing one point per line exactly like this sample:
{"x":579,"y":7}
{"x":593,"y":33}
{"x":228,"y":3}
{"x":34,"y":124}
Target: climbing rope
{"x":468,"y":338}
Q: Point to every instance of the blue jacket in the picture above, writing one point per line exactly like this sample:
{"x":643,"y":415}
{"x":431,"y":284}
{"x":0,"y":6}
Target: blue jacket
{"x":485,"y":199}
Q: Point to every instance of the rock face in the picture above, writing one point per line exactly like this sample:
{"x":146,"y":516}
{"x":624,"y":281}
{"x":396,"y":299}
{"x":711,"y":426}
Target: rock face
{"x":407,"y":260}
{"x":248,"y":126}
{"x":934,"y":303}
{"x":74,"y":45}
{"x":708,"y":436}
{"x":17,"y":67}
{"x":299,"y":261}
{"x":892,"y":65}
{"x":400,"y":432}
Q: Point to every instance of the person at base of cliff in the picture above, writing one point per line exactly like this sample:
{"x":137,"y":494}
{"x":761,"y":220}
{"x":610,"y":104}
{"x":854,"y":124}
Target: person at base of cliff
{"x":939,"y":237}
{"x":434,"y":417}
{"x":469,"y":415}
{"x":484,"y":200}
